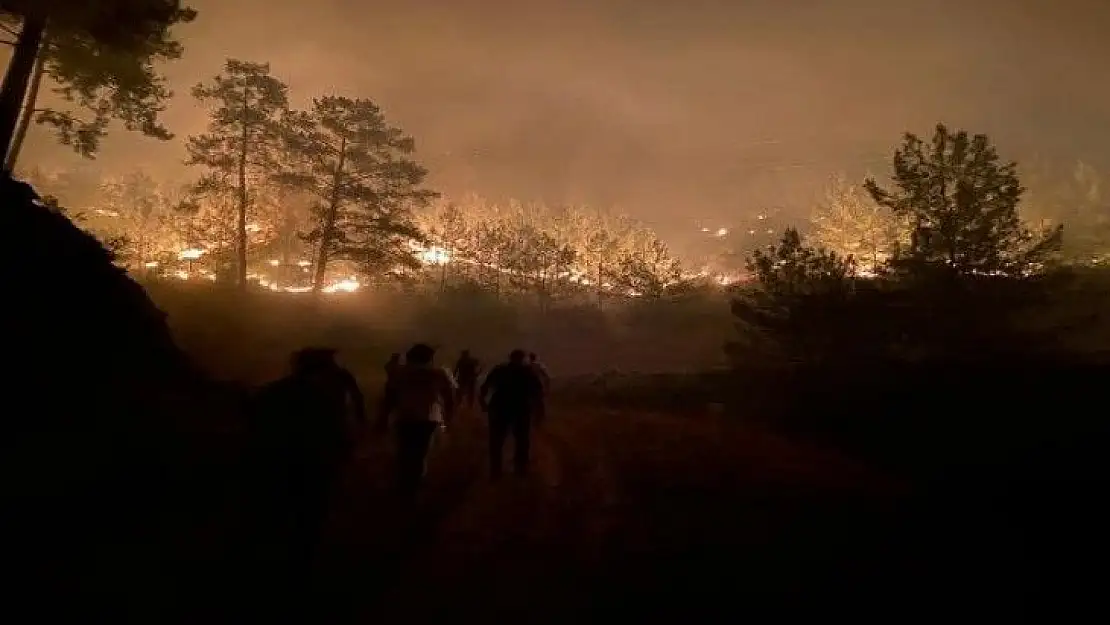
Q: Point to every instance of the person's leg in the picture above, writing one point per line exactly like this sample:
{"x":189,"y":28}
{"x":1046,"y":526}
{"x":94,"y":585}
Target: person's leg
{"x":408,"y":457}
{"x":498,"y":431}
{"x":422,"y":441}
{"x":522,"y":442}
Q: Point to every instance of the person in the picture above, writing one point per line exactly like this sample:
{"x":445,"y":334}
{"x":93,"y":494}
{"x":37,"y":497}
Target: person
{"x":510,"y":394}
{"x":392,"y":365}
{"x":545,"y":382}
{"x":467,"y":370}
{"x":301,"y":437}
{"x":421,"y":396}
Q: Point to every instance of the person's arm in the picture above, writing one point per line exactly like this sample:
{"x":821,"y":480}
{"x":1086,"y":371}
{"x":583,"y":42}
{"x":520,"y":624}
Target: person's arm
{"x":386,"y":406}
{"x":448,"y":394}
{"x":483,"y":392}
{"x":357,"y":398}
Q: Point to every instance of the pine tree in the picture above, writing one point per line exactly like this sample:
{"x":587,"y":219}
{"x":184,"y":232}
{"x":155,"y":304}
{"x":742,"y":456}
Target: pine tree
{"x":961,"y":202}
{"x":360,"y":169}
{"x":242,"y":144}
{"x":99,"y":56}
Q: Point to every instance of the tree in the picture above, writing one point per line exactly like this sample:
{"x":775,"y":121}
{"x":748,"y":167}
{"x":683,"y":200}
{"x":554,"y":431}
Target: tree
{"x":448,"y":227}
{"x":849,"y":222}
{"x":137,"y":209}
{"x":648,"y":270}
{"x":961,"y":203}
{"x":100,"y":56}
{"x":795,"y":305}
{"x":241,"y":146}
{"x":359,"y":168}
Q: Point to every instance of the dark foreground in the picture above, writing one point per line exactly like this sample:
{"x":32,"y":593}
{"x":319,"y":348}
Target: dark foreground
{"x":626,"y":516}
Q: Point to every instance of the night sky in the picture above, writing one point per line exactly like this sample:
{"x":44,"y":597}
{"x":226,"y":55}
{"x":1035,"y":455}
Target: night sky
{"x":684,"y":112}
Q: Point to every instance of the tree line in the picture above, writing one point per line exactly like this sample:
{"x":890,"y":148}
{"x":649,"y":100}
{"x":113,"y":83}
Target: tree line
{"x":850,"y":221}
{"x":937,"y":262}
{"x":338,"y":176}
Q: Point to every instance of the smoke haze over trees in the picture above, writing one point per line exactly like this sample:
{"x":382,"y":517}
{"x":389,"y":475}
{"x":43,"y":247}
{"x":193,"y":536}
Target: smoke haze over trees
{"x":672,"y":116}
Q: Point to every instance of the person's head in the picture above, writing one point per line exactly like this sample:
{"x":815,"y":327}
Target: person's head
{"x":531,"y":356}
{"x":420,"y":354}
{"x":516,"y":356}
{"x":312,"y":360}
{"x":466,"y":353}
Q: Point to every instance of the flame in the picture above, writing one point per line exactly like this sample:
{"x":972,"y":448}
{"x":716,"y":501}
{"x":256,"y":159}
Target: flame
{"x":350,"y":285}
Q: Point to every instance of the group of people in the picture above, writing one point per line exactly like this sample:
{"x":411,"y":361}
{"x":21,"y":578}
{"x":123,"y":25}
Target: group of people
{"x":301,"y":432}
{"x":421,"y":398}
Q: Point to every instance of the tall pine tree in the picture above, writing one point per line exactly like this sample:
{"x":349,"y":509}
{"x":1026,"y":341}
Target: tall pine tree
{"x":360,"y":170}
{"x":242,"y":145}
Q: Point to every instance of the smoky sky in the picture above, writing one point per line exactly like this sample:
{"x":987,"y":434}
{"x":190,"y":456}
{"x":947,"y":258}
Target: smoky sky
{"x":683,"y":113}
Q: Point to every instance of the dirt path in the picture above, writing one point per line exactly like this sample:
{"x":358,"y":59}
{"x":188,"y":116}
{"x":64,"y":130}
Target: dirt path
{"x":635,"y":514}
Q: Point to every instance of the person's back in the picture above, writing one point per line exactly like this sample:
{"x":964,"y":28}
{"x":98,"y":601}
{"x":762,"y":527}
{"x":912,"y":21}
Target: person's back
{"x":511,"y":394}
{"x":419,"y":396}
{"x":420,"y":392}
{"x":466,"y":369}
{"x":306,"y":411}
{"x":540,"y":370}
{"x":513,"y":388}
{"x":392,"y":365}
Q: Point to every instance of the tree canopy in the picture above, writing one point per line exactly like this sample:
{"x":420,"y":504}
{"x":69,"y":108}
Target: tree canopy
{"x":359,"y":167}
{"x":961,"y":202}
{"x":101,"y":58}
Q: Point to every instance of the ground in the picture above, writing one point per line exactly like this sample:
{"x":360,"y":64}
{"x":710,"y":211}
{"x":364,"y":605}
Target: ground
{"x":638,"y":515}
{"x":627,"y":515}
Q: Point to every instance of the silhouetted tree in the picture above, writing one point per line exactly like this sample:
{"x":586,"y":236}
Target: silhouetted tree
{"x":240,"y":147}
{"x":961,"y":202}
{"x":792,"y":311}
{"x":101,"y":57}
{"x":359,"y":167}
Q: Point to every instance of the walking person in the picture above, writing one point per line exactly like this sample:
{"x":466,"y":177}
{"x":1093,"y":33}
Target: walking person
{"x":467,"y":370}
{"x":392,"y":365}
{"x":510,"y":394}
{"x":421,"y":398}
{"x":301,"y":440}
{"x":545,"y":383}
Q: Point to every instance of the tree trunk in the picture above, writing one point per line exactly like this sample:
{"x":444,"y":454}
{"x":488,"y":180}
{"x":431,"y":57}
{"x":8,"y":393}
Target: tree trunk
{"x":13,"y":91}
{"x":327,"y":233}
{"x":27,"y":115}
{"x":600,"y":285}
{"x":244,"y":199}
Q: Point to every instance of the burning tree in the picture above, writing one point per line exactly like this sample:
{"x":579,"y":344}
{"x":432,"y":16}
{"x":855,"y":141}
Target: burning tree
{"x":648,"y":269}
{"x":242,"y":142}
{"x":359,"y":168}
{"x":849,"y":222}
{"x":137,"y":209}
